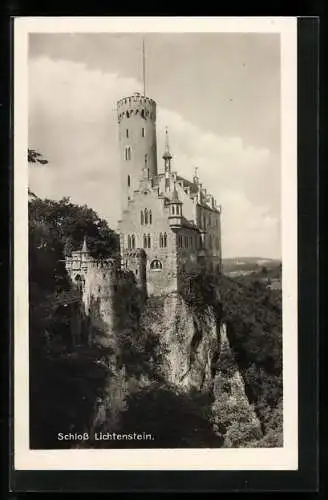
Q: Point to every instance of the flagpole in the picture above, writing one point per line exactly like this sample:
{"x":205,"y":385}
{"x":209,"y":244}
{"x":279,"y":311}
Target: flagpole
{"x":144,"y":67}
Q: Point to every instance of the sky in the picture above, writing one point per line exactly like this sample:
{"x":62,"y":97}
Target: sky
{"x":218,"y":94}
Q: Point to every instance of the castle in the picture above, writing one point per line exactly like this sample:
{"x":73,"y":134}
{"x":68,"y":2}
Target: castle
{"x":170,"y":226}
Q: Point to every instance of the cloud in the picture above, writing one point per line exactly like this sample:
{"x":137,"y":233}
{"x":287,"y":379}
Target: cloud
{"x":72,"y":122}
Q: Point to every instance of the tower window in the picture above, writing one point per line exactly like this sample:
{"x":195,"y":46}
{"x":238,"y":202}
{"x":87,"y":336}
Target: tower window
{"x":173,"y":211}
{"x":149,"y":241}
{"x":146,"y":216}
{"x":161,"y":243}
{"x":129,"y":241}
{"x":133,"y":241}
{"x":145,"y":241}
{"x":143,"y":132}
{"x":129,"y":181}
{"x":127,"y":133}
{"x":127,"y":153}
{"x":165,"y":240}
{"x":150,"y":217}
{"x":142,"y":217}
{"x":143,"y":113}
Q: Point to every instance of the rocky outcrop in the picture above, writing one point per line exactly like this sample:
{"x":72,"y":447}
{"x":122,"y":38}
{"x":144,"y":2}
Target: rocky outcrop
{"x":189,"y":343}
{"x":191,"y":355}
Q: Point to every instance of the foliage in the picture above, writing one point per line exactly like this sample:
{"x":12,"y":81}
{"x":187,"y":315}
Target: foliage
{"x":163,"y":413}
{"x":35,"y":157}
{"x":66,"y":224}
{"x":138,"y":347}
{"x":65,"y":372}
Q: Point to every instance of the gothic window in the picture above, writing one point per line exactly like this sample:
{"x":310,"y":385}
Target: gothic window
{"x":156,"y":265}
{"x":149,"y":241}
{"x":146,"y":216}
{"x":150,"y":217}
{"x":129,"y":181}
{"x":144,"y":241}
{"x":133,"y":241}
{"x":165,"y":240}
{"x":161,"y":241}
{"x":142,"y":217}
{"x":142,"y":132}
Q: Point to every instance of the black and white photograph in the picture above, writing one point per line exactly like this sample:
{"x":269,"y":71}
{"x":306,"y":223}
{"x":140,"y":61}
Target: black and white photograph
{"x":155,"y":188}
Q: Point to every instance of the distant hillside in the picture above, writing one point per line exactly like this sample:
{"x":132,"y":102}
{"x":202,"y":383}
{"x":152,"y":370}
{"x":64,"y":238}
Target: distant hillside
{"x":248,"y":264}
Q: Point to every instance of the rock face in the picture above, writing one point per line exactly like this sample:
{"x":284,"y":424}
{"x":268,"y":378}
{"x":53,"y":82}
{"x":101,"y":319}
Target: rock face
{"x":189,"y":343}
{"x":192,"y":355}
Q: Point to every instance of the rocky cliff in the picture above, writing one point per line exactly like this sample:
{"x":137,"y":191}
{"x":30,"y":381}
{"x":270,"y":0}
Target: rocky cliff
{"x":189,"y":357}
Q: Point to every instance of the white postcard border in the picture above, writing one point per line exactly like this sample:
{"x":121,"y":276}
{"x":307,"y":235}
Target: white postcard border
{"x":285,"y":458}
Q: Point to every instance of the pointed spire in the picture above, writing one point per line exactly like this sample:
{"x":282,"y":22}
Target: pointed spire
{"x":167,"y":154}
{"x":84,"y":246}
{"x":196,"y":177}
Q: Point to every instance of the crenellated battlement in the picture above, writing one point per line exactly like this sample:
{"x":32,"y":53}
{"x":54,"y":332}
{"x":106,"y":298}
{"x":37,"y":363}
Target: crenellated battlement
{"x":136,"y":105}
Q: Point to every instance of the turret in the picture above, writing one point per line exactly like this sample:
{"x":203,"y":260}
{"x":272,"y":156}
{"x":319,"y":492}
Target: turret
{"x":167,"y":157}
{"x":175,"y":217}
{"x":137,"y":136}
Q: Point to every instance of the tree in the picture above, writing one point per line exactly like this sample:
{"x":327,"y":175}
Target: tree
{"x":34,"y":156}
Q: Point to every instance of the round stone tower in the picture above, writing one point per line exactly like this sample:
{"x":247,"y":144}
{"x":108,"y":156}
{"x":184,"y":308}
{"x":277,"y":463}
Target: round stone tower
{"x":137,"y":137}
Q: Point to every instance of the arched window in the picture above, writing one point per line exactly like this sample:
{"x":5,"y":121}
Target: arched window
{"x":146,"y":216}
{"x":156,"y":265}
{"x":142,"y":132}
{"x":129,"y":181}
{"x":150,"y":217}
{"x":142,"y":217}
{"x":133,"y":241}
{"x":149,"y":241}
{"x":127,"y":133}
{"x":161,"y":243}
{"x":165,"y":240}
{"x":144,"y":241}
{"x":173,"y":210}
{"x":129,"y":241}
